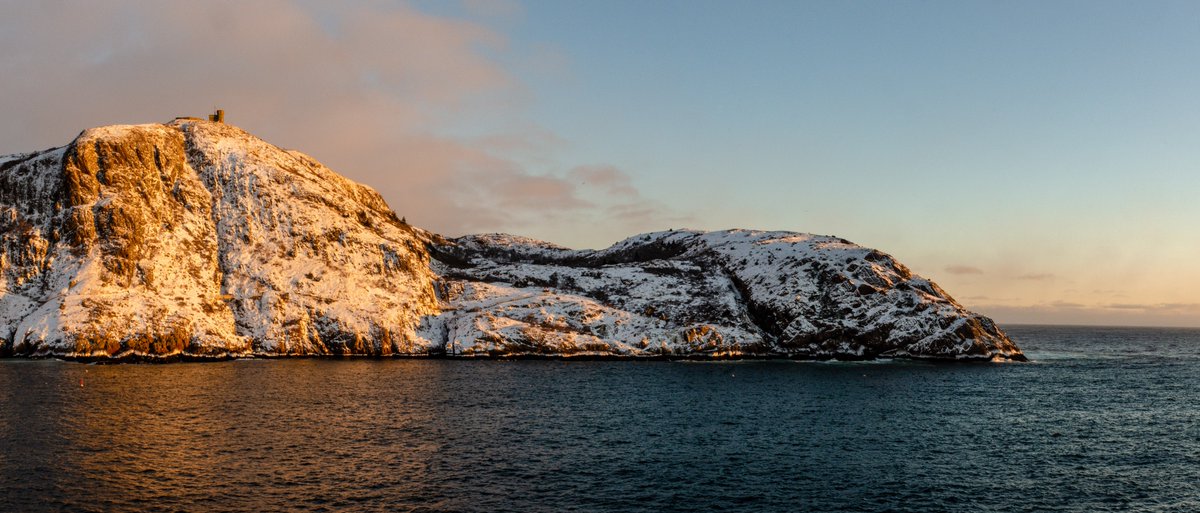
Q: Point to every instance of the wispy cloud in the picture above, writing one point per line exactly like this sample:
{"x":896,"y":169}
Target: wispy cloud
{"x":1070,"y":312}
{"x":1036,"y":277}
{"x":606,"y":178}
{"x":367,"y":87}
{"x":1156,"y":307}
{"x":493,"y":8}
{"x":963,"y":269}
{"x":1067,"y":304}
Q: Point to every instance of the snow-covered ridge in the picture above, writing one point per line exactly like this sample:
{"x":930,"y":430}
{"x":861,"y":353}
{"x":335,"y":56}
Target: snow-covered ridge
{"x":687,"y":293}
{"x":197,"y":238}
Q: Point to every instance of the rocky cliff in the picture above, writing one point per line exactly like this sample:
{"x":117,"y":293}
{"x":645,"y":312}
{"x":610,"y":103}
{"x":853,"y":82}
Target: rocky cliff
{"x":196,"y":238}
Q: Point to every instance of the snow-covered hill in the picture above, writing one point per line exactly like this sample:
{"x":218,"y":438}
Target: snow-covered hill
{"x":729,"y":293}
{"x":197,"y":238}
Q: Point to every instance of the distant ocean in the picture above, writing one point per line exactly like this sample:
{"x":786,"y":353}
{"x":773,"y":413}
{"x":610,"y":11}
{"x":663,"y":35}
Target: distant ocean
{"x":1104,"y":419}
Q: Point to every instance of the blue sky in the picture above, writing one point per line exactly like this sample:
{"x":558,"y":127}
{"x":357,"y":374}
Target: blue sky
{"x":958,"y":114}
{"x":1045,"y":151}
{"x":1037,"y":159}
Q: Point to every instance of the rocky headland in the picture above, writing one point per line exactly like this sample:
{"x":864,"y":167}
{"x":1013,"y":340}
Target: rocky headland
{"x":195,"y":239}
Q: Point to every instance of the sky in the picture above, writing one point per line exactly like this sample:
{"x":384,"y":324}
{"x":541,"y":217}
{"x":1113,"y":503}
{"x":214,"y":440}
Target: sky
{"x":1039,"y":160}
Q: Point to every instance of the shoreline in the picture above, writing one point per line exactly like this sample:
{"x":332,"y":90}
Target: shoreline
{"x":194,"y":358}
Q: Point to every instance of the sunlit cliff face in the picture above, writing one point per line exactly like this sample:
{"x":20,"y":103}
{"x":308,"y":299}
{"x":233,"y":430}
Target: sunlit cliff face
{"x":197,"y":237}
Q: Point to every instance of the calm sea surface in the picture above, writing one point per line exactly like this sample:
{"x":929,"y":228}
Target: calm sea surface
{"x":1105,"y":419}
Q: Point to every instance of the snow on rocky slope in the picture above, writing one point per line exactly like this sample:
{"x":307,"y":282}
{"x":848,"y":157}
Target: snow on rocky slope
{"x":198,"y":238}
{"x":195,"y":238}
{"x":689,"y":293}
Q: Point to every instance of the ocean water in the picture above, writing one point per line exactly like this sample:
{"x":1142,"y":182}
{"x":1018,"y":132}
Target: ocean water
{"x":1104,"y":419}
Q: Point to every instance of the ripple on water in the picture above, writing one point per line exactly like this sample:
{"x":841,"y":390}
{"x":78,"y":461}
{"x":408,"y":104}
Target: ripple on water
{"x":1096,"y":424}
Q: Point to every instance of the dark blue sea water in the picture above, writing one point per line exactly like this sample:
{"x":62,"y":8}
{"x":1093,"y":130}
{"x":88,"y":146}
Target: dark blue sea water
{"x":1105,"y":419}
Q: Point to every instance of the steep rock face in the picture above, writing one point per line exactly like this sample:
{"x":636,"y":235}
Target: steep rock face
{"x":735,"y":292}
{"x":315,"y":263}
{"x":114,"y":247}
{"x":198,"y":238}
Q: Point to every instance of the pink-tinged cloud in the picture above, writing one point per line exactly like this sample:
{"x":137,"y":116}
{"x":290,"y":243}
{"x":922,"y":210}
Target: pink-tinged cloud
{"x":365,"y":87}
{"x":553,"y":192}
{"x":607,"y":178}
